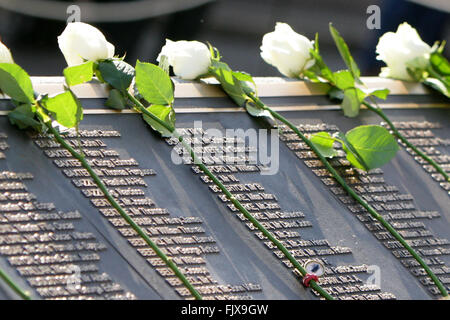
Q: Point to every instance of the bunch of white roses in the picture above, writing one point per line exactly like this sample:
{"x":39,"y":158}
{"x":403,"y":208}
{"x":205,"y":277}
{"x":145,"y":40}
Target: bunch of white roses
{"x":289,"y":52}
{"x":283,"y":48}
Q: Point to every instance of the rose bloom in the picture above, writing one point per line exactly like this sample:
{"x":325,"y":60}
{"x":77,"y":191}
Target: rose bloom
{"x":401,"y":48}
{"x":189,"y":59}
{"x":287,"y":50}
{"x":82,"y":42}
{"x":5,"y":54}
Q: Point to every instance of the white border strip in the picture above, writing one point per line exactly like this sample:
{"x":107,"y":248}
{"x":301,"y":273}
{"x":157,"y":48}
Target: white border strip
{"x":267,"y":87}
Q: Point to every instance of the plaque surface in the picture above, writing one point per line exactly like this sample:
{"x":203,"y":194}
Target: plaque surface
{"x":59,"y":238}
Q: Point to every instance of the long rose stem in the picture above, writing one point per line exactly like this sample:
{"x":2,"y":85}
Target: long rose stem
{"x":230,"y":196}
{"x":354,"y":195}
{"x":119,"y":209}
{"x":14,"y":286}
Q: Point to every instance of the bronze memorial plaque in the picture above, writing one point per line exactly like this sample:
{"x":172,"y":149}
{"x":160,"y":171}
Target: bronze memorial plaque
{"x":61,"y":239}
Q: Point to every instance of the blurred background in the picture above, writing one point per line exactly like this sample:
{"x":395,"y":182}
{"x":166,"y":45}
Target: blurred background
{"x":235,"y":27}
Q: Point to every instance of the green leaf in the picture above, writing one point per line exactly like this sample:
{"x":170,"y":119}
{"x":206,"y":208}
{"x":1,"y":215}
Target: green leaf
{"x":379,"y":93}
{"x":369,"y":147}
{"x":24,"y":117}
{"x":352,"y":154}
{"x":345,"y":53}
{"x":323,"y":141}
{"x":255,"y":111}
{"x":238,"y":85}
{"x":247,"y":82}
{"x":243,"y":76}
{"x":116,"y":100}
{"x":65,"y":108}
{"x":165,"y":114}
{"x":117,"y":73}
{"x":440,"y":63}
{"x":351,"y":103}
{"x":344,"y":79}
{"x":16,"y":83}
{"x":336,"y":94}
{"x":229,"y":82}
{"x":154,"y":84}
{"x":79,"y":74}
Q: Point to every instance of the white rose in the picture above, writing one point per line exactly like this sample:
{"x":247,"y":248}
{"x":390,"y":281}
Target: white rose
{"x":82,"y":42}
{"x":189,"y":59}
{"x":5,"y":54}
{"x":400,"y":48}
{"x":287,"y":50}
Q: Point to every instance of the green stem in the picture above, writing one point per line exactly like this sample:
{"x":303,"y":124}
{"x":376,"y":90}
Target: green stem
{"x":380,"y":112}
{"x":230,"y":196}
{"x":14,"y":286}
{"x":120,"y":210}
{"x":355,"y":196}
